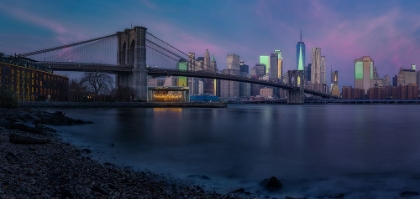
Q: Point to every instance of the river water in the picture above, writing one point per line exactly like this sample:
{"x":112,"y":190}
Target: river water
{"x":363,"y":151}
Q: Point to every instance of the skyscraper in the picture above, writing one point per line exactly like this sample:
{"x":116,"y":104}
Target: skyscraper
{"x":213,"y":64}
{"x":363,"y":73}
{"x":334,"y":83}
{"x":308,"y":70}
{"x":244,"y":88}
{"x":216,"y":82}
{"x":322,"y":70}
{"x":274,"y":67}
{"x":279,"y":64}
{"x":233,"y":62}
{"x":228,"y":88}
{"x":182,"y":65}
{"x":300,"y":54}
{"x":210,"y":85}
{"x":316,"y":66}
{"x":207,"y":60}
{"x":266,"y":61}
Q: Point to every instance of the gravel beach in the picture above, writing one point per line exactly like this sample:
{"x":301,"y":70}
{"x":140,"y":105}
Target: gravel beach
{"x":55,"y":169}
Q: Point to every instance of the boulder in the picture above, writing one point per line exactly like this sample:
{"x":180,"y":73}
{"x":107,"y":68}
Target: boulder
{"x":5,"y":123}
{"x":272,"y":184}
{"x":240,"y":190}
{"x":25,"y":126}
{"x":409,"y":194}
{"x":25,"y":139}
{"x":341,"y":195}
{"x":100,"y":190}
{"x":12,"y":158}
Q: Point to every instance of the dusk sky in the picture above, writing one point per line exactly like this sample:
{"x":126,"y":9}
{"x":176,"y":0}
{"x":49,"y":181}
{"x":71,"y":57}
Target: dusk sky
{"x":388,"y":31}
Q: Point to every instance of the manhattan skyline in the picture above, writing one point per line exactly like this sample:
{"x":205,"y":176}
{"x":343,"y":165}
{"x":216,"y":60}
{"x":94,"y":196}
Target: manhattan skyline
{"x":344,"y":30}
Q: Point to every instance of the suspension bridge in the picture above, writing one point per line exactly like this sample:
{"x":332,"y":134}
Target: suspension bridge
{"x":135,"y":53}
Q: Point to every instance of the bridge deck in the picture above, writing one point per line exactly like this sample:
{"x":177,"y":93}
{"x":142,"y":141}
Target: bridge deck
{"x":91,"y":67}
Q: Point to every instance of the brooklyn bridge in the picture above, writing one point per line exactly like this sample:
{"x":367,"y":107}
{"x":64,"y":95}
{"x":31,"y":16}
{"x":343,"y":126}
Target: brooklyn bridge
{"x":134,"y":54}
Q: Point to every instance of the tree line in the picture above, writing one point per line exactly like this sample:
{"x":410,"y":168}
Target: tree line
{"x":96,"y":86}
{"x":92,"y":86}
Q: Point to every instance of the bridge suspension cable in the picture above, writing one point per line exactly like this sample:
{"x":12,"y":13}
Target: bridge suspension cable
{"x":98,"y":50}
{"x":164,"y":55}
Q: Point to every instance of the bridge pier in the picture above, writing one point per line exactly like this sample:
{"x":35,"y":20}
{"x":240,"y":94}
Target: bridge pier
{"x":296,"y":78}
{"x":295,"y":97}
{"x":132,"y":53}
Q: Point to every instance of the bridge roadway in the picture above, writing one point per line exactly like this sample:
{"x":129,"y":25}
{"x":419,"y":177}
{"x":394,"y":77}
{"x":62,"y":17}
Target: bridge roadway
{"x":92,"y":67}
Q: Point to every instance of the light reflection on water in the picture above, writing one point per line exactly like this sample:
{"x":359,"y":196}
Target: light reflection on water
{"x":314,"y":150}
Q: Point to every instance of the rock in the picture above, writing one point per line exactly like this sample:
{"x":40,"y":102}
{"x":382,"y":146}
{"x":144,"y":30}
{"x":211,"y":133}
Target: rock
{"x":100,"y":190}
{"x":341,"y":195}
{"x":87,"y":150}
{"x":409,"y":194}
{"x":240,"y":190}
{"x":5,"y":123}
{"x":65,"y":194}
{"x":203,"y":177}
{"x":24,"y":139}
{"x":59,"y":113}
{"x":272,"y":184}
{"x":26,"y":126}
{"x":12,"y":158}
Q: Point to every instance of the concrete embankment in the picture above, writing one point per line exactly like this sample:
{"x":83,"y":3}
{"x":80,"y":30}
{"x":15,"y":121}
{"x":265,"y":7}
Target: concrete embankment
{"x":123,"y":104}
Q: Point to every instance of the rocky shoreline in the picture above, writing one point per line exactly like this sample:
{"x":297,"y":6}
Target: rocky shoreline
{"x":50,"y":168}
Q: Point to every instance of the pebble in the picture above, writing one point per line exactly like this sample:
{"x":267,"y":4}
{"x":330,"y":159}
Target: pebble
{"x":56,"y":169}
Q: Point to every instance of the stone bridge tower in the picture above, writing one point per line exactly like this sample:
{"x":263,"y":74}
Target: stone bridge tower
{"x":132,"y":53}
{"x":296,"y":78}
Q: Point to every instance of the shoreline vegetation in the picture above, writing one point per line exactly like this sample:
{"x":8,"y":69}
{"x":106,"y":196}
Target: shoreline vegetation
{"x":38,"y":164}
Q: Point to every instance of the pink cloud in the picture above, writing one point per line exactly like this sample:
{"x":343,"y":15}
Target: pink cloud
{"x":24,"y":15}
{"x":63,"y":35}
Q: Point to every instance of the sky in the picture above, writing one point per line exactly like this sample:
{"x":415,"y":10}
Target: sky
{"x":387,"y":31}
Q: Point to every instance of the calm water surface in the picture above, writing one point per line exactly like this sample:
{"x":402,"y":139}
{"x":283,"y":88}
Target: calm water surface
{"x":367,"y":151}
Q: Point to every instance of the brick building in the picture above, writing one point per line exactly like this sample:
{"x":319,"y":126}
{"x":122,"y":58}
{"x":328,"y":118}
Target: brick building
{"x":31,"y":81}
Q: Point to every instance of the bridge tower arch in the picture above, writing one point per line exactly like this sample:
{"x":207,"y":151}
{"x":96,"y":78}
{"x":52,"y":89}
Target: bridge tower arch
{"x":132,"y":53}
{"x":296,"y":79}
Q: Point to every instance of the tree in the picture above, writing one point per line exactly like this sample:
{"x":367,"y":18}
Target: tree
{"x":76,"y":90}
{"x":8,"y":98}
{"x":98,"y":83}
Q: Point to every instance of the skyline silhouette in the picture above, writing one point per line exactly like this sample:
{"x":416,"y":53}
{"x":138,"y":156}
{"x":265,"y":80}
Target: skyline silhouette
{"x":344,"y":30}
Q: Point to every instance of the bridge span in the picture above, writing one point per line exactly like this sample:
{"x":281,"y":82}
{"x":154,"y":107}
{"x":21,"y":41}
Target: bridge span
{"x":129,"y":53}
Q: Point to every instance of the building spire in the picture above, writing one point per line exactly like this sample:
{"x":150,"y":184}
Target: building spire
{"x":300,"y":35}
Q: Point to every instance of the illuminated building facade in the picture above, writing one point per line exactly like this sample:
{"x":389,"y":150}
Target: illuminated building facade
{"x":266,"y":61}
{"x":211,"y":85}
{"x":300,"y":54}
{"x":168,"y":94}
{"x":279,"y":64}
{"x":266,"y":92}
{"x":316,"y":65}
{"x":233,"y":62}
{"x":322,"y":70}
{"x":244,"y":88}
{"x":406,"y":77}
{"x":182,"y":65}
{"x":31,"y":81}
{"x":363,"y":73}
{"x":230,"y":89}
{"x":334,"y":84}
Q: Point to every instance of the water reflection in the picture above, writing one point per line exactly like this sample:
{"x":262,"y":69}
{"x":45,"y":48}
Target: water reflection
{"x":299,"y":144}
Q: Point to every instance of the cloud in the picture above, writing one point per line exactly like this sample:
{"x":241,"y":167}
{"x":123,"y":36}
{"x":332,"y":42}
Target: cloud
{"x":61,"y":33}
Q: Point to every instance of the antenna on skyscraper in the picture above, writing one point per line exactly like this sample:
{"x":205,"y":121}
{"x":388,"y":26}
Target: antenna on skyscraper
{"x":301,"y":34}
